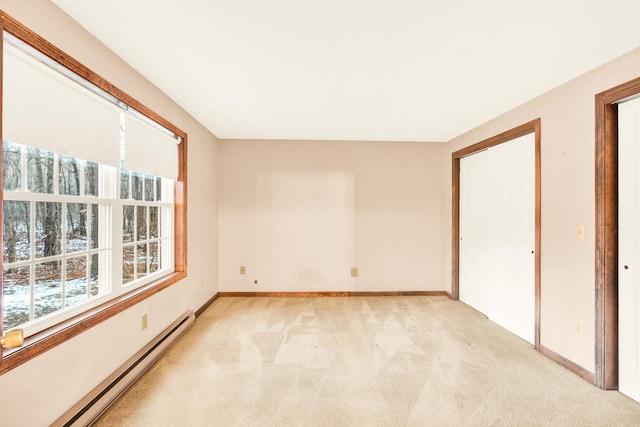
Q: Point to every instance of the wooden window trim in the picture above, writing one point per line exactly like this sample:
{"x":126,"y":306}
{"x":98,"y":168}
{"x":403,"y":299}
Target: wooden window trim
{"x":606,"y":250}
{"x":58,"y":334}
{"x":533,"y":126}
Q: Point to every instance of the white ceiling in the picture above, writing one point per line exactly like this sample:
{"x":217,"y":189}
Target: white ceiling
{"x":403,"y":70}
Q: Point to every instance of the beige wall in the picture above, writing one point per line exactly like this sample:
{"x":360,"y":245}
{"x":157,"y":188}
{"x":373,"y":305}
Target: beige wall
{"x":568,"y":199}
{"x":57,"y":379}
{"x":300,"y":214}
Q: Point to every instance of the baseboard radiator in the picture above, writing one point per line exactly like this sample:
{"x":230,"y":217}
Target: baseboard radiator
{"x":94,"y":404}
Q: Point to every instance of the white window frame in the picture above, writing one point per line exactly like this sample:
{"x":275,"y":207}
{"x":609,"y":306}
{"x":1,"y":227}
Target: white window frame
{"x":110,"y":206}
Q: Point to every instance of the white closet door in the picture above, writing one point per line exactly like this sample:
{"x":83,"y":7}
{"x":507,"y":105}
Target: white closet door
{"x":497,"y":230}
{"x":475,"y":230}
{"x":629,"y":248}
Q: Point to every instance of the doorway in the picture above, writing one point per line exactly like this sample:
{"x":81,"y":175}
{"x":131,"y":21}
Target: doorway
{"x":532,"y":128}
{"x":629,"y":248}
{"x":497,"y":234}
{"x":606,"y":250}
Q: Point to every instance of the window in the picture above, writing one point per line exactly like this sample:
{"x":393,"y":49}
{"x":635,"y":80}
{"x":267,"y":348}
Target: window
{"x":94,"y":197}
{"x":73,"y":261}
{"x":54,"y":249}
{"x":146,"y":225}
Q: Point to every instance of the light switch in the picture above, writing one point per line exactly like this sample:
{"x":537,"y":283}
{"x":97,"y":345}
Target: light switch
{"x":580,"y":232}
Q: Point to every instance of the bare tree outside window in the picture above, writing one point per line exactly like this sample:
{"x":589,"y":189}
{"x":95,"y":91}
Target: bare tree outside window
{"x":136,"y":184}
{"x":91,"y":179}
{"x":125,"y":184}
{"x":11,"y":166}
{"x":40,"y":170}
{"x":149,"y":187}
{"x":69,"y":176}
{"x":16,"y":231}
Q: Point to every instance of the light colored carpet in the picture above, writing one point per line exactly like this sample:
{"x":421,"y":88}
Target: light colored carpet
{"x":359,"y":361}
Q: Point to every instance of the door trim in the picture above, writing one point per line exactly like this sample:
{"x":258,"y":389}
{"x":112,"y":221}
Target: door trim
{"x":606,"y":232}
{"x":533,"y":126}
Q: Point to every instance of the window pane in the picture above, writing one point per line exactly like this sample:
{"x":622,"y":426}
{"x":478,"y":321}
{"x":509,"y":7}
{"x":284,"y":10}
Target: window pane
{"x":137,"y":186}
{"x":69,"y":176}
{"x":127,"y":264}
{"x":158,"y":188}
{"x":95,"y":269}
{"x":142,"y":222}
{"x":76,"y":280}
{"x":141,"y":260}
{"x":11,"y":166}
{"x":48,"y":288}
{"x":16,"y":240}
{"x":48,"y":230}
{"x":127,"y":223}
{"x":149,"y":187}
{"x":153,"y":222}
{"x":16,"y":294}
{"x":76,"y":227}
{"x":95,"y":226}
{"x":124,"y":184}
{"x":91,"y":179}
{"x":40,"y":170}
{"x":154,"y":257}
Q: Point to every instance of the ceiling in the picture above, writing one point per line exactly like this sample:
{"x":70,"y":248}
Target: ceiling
{"x":393,"y":70}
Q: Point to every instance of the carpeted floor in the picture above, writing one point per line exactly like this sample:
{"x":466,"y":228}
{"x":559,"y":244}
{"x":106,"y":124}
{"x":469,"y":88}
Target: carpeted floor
{"x":359,"y":361}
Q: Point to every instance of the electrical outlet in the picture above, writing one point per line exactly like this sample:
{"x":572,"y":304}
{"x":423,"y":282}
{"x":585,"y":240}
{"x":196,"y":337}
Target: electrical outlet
{"x":243,"y":269}
{"x":144,"y":321}
{"x":354,"y":272}
{"x":579,"y":327}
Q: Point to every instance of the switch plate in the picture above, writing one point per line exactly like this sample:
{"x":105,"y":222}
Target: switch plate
{"x":579,"y":327}
{"x":580,"y":232}
{"x":202,"y":283}
{"x":243,"y":269}
{"x":354,"y":272}
{"x":144,"y":321}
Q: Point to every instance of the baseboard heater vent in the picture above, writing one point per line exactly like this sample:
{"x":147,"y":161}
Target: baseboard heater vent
{"x":94,"y":404}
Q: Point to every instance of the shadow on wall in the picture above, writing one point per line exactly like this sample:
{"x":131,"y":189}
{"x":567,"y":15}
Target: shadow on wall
{"x":305,"y":228}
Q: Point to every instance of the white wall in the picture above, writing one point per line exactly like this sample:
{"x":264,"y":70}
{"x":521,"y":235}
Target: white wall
{"x":300,"y":214}
{"x":37,"y":392}
{"x":568,"y":199}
